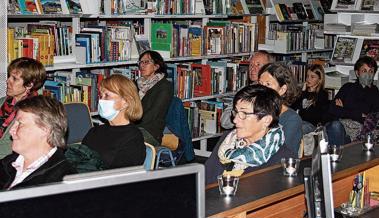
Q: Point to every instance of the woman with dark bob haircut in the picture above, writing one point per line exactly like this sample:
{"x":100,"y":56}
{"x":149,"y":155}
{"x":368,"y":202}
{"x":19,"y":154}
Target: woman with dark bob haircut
{"x":155,"y":92}
{"x":257,"y":136}
{"x":279,"y":77}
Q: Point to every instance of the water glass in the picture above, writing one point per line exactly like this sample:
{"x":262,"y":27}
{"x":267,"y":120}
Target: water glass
{"x":227,"y":185}
{"x":335,"y":152}
{"x":290,"y":166}
{"x":369,"y":143}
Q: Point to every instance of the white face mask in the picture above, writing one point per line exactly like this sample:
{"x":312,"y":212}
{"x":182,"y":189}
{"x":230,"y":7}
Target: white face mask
{"x":106,"y":109}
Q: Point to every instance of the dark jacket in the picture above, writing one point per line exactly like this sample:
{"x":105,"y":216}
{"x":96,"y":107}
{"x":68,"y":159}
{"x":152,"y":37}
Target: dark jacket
{"x":155,"y":104}
{"x":177,"y":123}
{"x":52,"y":171}
{"x":356,"y":101}
{"x":315,"y":112}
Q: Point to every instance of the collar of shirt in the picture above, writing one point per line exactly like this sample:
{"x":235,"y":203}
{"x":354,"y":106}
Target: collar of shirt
{"x":18,"y":164}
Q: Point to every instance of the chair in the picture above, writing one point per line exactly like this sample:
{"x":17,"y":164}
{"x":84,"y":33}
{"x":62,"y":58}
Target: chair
{"x":150,"y":157}
{"x":78,"y":121}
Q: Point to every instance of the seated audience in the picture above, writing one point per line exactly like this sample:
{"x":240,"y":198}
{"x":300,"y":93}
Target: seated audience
{"x":118,"y":142}
{"x":313,"y":102}
{"x":257,"y":136}
{"x":257,"y":60}
{"x":280,"y":78}
{"x":38,"y":134}
{"x":155,"y":92}
{"x":25,"y":77}
{"x":353,"y":102}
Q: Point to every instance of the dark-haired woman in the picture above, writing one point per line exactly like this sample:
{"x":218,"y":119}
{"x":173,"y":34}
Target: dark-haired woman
{"x":156,"y":93}
{"x":313,"y":102}
{"x":279,"y":77}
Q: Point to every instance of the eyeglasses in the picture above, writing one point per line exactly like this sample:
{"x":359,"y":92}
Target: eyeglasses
{"x":144,"y":62}
{"x":241,"y":114}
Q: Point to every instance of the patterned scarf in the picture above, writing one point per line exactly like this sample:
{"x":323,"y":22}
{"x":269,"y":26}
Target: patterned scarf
{"x":145,"y":85}
{"x":7,"y":112}
{"x":235,"y":150}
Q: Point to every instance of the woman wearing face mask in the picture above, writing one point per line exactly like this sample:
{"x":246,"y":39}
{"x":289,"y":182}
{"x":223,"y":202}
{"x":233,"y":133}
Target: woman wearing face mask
{"x":155,"y":92}
{"x":353,"y":102}
{"x":119,"y":142}
{"x":313,"y":102}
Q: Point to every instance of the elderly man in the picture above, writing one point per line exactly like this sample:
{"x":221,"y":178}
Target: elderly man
{"x":257,"y":61}
{"x":38,"y":133}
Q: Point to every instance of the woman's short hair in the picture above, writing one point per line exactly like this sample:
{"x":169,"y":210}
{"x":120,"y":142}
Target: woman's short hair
{"x":265,"y":101}
{"x":50,"y":114}
{"x":127,"y":89}
{"x":283,"y":76}
{"x":369,"y":61}
{"x":318,"y":69}
{"x":157,"y":59}
{"x":32,"y":71}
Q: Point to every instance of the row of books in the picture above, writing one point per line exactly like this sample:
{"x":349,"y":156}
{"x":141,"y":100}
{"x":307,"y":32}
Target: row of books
{"x":197,"y":80}
{"x":296,"y":37}
{"x":364,"y":5}
{"x":349,"y":48}
{"x":215,"y":38}
{"x":40,"y":41}
{"x":204,"y":116}
{"x":301,"y":10}
{"x":44,"y":7}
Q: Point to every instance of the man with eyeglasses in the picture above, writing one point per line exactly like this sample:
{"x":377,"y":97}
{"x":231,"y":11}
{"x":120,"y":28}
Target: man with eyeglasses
{"x":353,"y":102}
{"x":257,"y":61}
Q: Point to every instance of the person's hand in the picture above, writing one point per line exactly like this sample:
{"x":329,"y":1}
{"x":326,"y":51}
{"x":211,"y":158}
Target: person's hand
{"x":339,"y":102}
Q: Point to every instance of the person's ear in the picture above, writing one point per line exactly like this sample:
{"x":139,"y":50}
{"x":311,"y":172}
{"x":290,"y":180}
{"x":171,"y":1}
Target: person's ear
{"x":282,"y":90}
{"x":156,"y":67}
{"x":29,"y":86}
{"x":267,"y":120}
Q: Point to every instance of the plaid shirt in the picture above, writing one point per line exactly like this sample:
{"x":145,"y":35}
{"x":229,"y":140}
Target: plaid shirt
{"x":21,"y":174}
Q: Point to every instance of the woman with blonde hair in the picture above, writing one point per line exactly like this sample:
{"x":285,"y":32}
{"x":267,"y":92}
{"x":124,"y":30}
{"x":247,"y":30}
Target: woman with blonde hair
{"x":313,"y":102}
{"x":118,"y":142}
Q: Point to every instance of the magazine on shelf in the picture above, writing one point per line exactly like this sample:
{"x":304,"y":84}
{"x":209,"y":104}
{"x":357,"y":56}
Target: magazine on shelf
{"x":370,"y":47}
{"x":344,"y":4}
{"x":344,"y":49}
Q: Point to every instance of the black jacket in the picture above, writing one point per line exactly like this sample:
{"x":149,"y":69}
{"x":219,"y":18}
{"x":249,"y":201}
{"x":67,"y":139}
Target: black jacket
{"x":52,"y":171}
{"x":155,"y":105}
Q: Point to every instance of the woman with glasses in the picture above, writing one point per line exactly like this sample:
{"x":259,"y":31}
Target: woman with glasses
{"x":257,"y":136}
{"x":155,"y":92}
{"x":353,"y":102}
{"x":279,"y":77}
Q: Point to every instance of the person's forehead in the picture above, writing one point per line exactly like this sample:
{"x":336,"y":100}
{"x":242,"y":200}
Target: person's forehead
{"x":260,"y":58}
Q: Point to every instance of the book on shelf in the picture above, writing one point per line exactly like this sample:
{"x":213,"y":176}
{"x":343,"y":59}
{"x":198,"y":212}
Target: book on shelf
{"x":161,"y":38}
{"x":13,"y":7}
{"x":238,"y":7}
{"x":51,"y":6}
{"x":317,"y":9}
{"x":326,"y":5}
{"x":344,"y":4}
{"x":28,"y":7}
{"x":214,"y":40}
{"x":367,"y":5}
{"x":370,"y":47}
{"x":195,"y":36}
{"x":255,"y":7}
{"x":142,"y":43}
{"x":202,"y":80}
{"x":300,"y":10}
{"x":344,"y":50}
{"x":71,"y":7}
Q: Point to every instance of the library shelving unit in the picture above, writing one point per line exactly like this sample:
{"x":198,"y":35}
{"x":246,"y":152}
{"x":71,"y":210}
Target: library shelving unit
{"x":356,"y":34}
{"x":295,"y":34}
{"x":69,"y":61}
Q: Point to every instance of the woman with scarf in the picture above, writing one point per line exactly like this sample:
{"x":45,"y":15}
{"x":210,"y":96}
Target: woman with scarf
{"x":156,"y":93}
{"x":353,"y":102}
{"x":257,"y":136}
{"x":25,"y":77}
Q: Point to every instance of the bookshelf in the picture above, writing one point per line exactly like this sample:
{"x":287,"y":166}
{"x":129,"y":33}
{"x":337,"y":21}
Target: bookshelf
{"x":354,"y":24}
{"x":295,"y":34}
{"x":70,"y":64}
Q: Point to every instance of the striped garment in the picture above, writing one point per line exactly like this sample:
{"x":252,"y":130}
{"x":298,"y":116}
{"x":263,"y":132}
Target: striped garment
{"x":256,"y":154}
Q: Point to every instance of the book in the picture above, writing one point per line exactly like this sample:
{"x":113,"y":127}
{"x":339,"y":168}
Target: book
{"x":344,"y":4}
{"x":195,"y":36}
{"x":142,"y":43}
{"x":238,"y":7}
{"x":285,"y":11}
{"x":370,"y":47}
{"x":74,"y":6}
{"x":51,"y":6}
{"x":255,"y":7}
{"x":27,"y":7}
{"x":202,"y":79}
{"x":317,"y":9}
{"x":344,"y":49}
{"x":335,"y":79}
{"x":367,"y":5}
{"x":161,"y":38}
{"x":300,"y":11}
